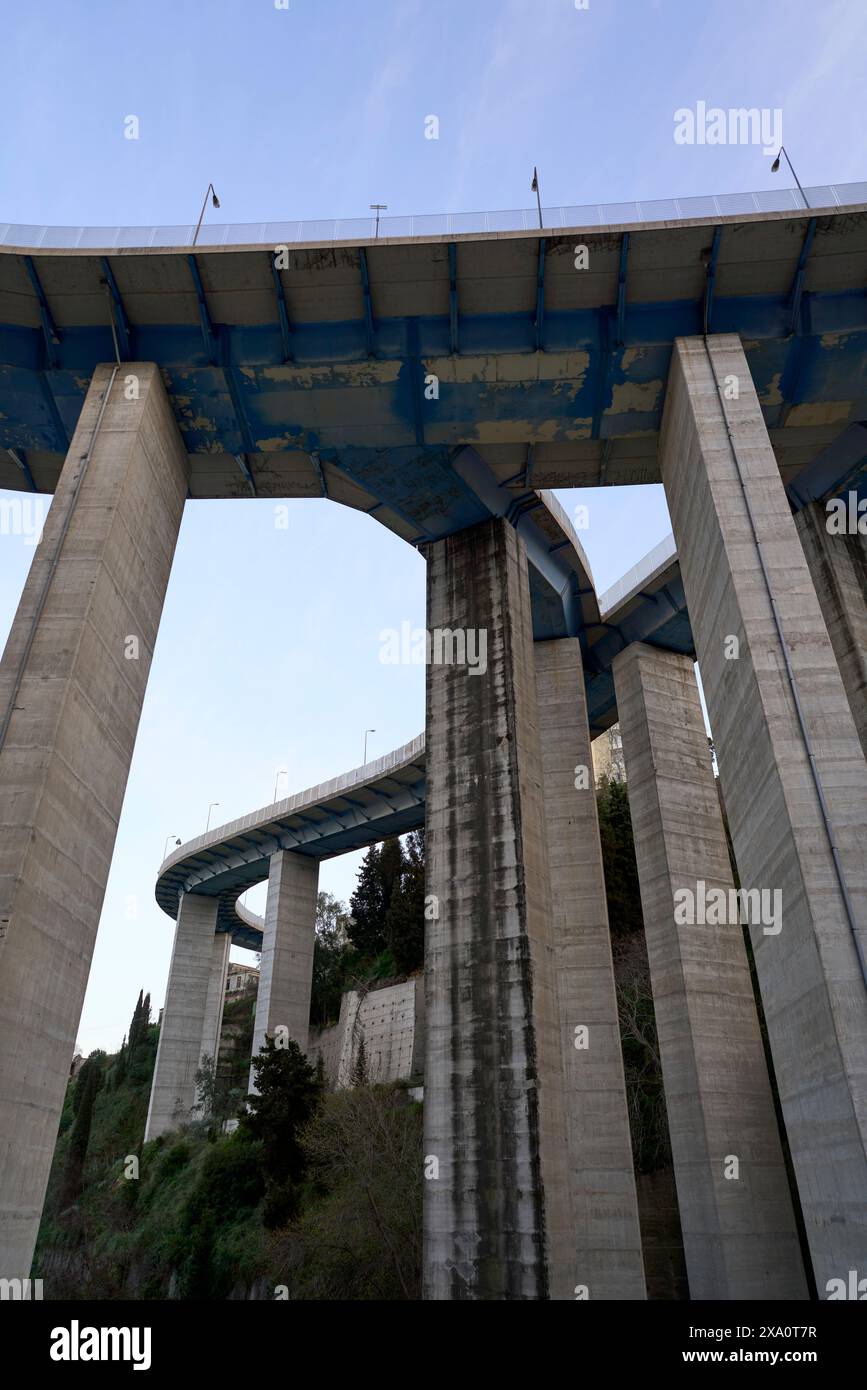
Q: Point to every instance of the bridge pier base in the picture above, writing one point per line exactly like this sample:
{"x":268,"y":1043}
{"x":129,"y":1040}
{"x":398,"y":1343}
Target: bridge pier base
{"x":838,"y":564}
{"x":607,"y":1233}
{"x":497,"y":1213}
{"x":756,"y":618}
{"x":72,"y":682}
{"x":739,"y":1234}
{"x":190,"y":1027}
{"x":286,"y":971}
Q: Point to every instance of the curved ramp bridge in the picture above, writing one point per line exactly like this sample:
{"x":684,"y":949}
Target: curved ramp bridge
{"x":723,"y":355}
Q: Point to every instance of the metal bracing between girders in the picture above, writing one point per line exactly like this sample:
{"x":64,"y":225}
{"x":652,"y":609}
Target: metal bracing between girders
{"x":208,"y":335}
{"x":50,"y":331}
{"x":247,"y":472}
{"x":710,"y":278}
{"x":453,"y":297}
{"x":540,"y":296}
{"x":797,"y":290}
{"x":609,"y":324}
{"x":282,"y":309}
{"x":120,"y":321}
{"x":528,"y":466}
{"x":317,"y":464}
{"x":607,"y":446}
{"x":416,"y":380}
{"x":382,"y":502}
{"x":621,"y":289}
{"x":241,"y":420}
{"x":368,"y":306}
{"x":20,"y":462}
{"x":801,"y":348}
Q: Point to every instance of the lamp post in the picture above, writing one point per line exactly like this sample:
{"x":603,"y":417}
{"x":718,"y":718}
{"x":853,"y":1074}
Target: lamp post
{"x":366,"y":732}
{"x":210,"y":809}
{"x":775,"y":166}
{"x":215,"y":202}
{"x":166,"y":845}
{"x":378,"y":208}
{"x":281,"y":772}
{"x":534,"y":188}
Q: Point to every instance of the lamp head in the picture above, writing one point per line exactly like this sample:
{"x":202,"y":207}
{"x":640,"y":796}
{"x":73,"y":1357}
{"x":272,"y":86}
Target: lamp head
{"x":215,"y":200}
{"x":776,"y":164}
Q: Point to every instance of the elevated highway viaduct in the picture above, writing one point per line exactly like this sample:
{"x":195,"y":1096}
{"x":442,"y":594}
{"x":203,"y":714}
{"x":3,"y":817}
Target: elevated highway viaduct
{"x":441,"y":384}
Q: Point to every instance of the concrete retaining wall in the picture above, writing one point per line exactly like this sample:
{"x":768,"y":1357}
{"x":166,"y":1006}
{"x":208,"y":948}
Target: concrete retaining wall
{"x":391,"y":1023}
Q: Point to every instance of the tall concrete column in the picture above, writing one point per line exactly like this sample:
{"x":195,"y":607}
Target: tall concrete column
{"x":607,"y":1235}
{"x":739,"y":1233}
{"x":838,"y":564}
{"x":189,"y":1028}
{"x":497,"y":1214}
{"x":72,"y":682}
{"x":761,"y":638}
{"x":286,"y":971}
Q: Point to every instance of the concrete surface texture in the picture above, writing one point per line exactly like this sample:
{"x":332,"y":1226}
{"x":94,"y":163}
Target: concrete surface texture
{"x":72,"y":682}
{"x":497,"y":1218}
{"x":606,"y":1234}
{"x":756,"y":618}
{"x":286,"y":971}
{"x":189,"y":1025}
{"x":838,"y":564}
{"x":739,"y":1234}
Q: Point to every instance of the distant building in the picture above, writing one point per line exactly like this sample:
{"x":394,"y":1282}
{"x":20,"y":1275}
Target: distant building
{"x":607,"y":752}
{"x":240,"y":978}
{"x":77,"y":1064}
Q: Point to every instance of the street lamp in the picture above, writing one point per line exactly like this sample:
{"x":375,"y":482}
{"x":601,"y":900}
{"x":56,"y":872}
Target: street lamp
{"x":281,"y":772}
{"x":378,"y":208}
{"x":775,"y":166}
{"x":210,"y":809}
{"x":215,"y":202}
{"x":534,"y":188}
{"x":366,"y":732}
{"x":166,"y":845}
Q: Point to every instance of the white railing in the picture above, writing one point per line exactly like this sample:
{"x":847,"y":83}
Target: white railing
{"x":825,"y":197}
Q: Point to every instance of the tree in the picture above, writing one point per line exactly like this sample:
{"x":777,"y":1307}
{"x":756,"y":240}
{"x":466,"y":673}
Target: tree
{"x":287,"y":1096}
{"x":333,"y":956}
{"x":618,"y":856}
{"x":405,"y":917}
{"x":366,"y":926}
{"x":359,"y":1076}
{"x":87,"y":1084}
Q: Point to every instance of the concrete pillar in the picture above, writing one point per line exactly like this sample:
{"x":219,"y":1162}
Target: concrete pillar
{"x":607,"y":1235}
{"x":497,"y":1213}
{"x":286,"y":971}
{"x":838,"y":564}
{"x":735,"y":559}
{"x":739,"y":1233}
{"x":72,"y":682}
{"x":189,"y":1026}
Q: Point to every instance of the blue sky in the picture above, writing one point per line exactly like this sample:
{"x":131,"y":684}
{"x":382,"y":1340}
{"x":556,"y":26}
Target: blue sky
{"x":317,"y":111}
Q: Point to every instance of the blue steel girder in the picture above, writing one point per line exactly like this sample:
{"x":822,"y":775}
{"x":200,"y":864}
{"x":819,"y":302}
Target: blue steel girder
{"x":282,"y":309}
{"x":20,"y":462}
{"x":119,"y":317}
{"x":208,"y":335}
{"x":797,"y":289}
{"x":540,"y":296}
{"x":710,"y":279}
{"x":454,"y":321}
{"x":50,"y":333}
{"x":621,"y":290}
{"x":368,"y":305}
